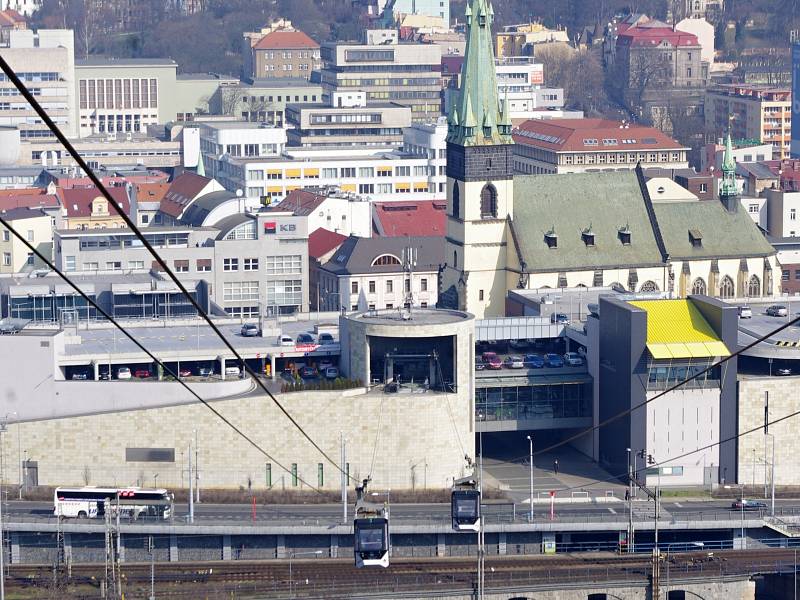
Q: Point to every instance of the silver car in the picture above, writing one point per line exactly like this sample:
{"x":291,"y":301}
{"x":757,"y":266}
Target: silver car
{"x":778,"y":310}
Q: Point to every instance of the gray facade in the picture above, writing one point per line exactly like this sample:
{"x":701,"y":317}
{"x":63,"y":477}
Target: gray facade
{"x":253,"y":264}
{"x":263,"y":99}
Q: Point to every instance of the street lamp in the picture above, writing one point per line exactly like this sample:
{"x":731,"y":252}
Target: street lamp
{"x":741,"y":505}
{"x":294,"y":555}
{"x":696,"y":544}
{"x":530,"y":515}
{"x":629,"y":545}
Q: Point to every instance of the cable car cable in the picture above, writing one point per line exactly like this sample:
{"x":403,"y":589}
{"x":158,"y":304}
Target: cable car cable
{"x":12,"y":76}
{"x":138,"y":344}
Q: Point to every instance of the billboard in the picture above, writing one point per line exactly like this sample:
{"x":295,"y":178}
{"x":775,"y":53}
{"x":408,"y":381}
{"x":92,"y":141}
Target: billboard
{"x":795,"y":149}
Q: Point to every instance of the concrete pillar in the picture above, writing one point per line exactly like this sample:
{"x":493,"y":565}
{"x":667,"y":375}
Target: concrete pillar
{"x":226,"y":547}
{"x":280,"y":547}
{"x":432,"y":373}
{"x":173,"y":547}
{"x":96,"y":366}
{"x":272,"y":362}
{"x":15,"y":557}
{"x":440,"y":545}
{"x":68,"y":547}
{"x":389,"y":370}
{"x":334,"y":546}
{"x":501,"y":543}
{"x":222,"y":368}
{"x":121,"y":549}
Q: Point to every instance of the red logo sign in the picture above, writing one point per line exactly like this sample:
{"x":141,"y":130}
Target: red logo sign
{"x":269,"y":227}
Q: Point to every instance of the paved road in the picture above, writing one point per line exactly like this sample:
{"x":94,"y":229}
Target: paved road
{"x":497,"y":511}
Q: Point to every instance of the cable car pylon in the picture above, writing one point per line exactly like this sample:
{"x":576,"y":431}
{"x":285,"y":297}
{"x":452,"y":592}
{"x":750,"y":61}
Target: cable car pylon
{"x":370,"y":531}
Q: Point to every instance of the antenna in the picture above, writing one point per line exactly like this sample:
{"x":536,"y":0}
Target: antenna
{"x":409,"y":263}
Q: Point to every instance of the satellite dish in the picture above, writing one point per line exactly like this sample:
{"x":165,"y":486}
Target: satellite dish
{"x":239,"y":193}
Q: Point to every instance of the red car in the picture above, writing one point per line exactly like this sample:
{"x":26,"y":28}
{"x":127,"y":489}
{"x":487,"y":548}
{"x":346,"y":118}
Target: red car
{"x":185,"y":373}
{"x":141,"y":373}
{"x":492,"y":361}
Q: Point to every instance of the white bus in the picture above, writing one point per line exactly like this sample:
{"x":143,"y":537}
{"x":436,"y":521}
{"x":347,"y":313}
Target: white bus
{"x":94,"y":502}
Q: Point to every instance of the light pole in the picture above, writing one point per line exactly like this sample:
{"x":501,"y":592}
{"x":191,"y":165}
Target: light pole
{"x":294,"y":555}
{"x":530,"y":515}
{"x":741,"y":506}
{"x":630,"y":502}
{"x":697,"y":544}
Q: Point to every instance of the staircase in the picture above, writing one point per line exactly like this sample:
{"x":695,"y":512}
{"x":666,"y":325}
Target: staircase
{"x":791,"y":530}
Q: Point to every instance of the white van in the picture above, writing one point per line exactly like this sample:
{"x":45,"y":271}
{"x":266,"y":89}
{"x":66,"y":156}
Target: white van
{"x":232,"y":371}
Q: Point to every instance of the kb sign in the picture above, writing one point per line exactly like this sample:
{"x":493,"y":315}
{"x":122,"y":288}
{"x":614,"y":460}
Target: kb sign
{"x":273,"y":227}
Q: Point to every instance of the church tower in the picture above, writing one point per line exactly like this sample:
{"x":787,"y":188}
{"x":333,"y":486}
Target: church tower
{"x":480,"y":185}
{"x":728,"y":190}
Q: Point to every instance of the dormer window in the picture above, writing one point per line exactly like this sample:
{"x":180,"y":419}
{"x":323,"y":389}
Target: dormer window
{"x":587,"y":235}
{"x":625,"y":235}
{"x":696,"y":238}
{"x":550,"y":238}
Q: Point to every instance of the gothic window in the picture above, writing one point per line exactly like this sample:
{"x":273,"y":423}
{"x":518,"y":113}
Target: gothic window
{"x":726,"y":288}
{"x":754,"y":286}
{"x":456,"y":200}
{"x":488,"y":202}
{"x":649,"y":286}
{"x":699,"y":286}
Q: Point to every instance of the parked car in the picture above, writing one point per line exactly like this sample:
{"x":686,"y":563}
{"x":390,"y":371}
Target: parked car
{"x":491,"y":360}
{"x":783,"y":371}
{"x":324,"y":364}
{"x":519,"y":344}
{"x":232,"y":371}
{"x":250,"y":330}
{"x":479,"y":366}
{"x":533,"y":361}
{"x":104,"y":376}
{"x":141,"y":373}
{"x":326,"y":338}
{"x":745,"y":312}
{"x":573,"y":359}
{"x":553,"y":360}
{"x":205,"y":371}
{"x":307,"y":371}
{"x":80,"y":376}
{"x":285,"y":340}
{"x":513,"y":362}
{"x":123,"y":373}
{"x":305,"y":338}
{"x":559,"y":318}
{"x":777,"y":310}
{"x":748,"y":505}
{"x":184,"y":372}
{"x":331,"y":373}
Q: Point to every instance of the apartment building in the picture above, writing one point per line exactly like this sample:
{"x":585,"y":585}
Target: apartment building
{"x":430,"y":8}
{"x":282,"y":51}
{"x":37,"y":227}
{"x":264,"y":100}
{"x":520,"y":39}
{"x":45,"y":62}
{"x":86,"y":208}
{"x":347,"y":121}
{"x":250,"y":263}
{"x":405,"y":73}
{"x":583,"y":145}
{"x":758,"y":113}
{"x":417,"y":172}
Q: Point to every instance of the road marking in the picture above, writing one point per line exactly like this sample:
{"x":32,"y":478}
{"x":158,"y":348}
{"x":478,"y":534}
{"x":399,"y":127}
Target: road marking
{"x":679,"y":505}
{"x":611,"y":510}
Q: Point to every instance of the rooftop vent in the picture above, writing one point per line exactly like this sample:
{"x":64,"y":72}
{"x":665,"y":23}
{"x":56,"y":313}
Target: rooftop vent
{"x":624,"y":234}
{"x":551,"y":238}
{"x":696,"y":238}
{"x":587,"y":235}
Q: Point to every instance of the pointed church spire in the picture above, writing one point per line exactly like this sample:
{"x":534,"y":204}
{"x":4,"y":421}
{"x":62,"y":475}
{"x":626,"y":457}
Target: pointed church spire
{"x":728,"y":187}
{"x":478,"y":104}
{"x":201,"y":168}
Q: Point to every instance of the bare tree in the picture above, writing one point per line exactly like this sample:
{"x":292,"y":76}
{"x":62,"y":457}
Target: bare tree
{"x":231,"y":99}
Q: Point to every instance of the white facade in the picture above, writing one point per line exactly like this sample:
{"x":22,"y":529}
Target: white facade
{"x":757,"y":209}
{"x":24,"y":7}
{"x":348,"y":214}
{"x":386,"y":290}
{"x":705,"y":35}
{"x":783,"y":213}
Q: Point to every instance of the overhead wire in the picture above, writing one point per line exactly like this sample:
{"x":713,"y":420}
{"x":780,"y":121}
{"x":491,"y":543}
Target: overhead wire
{"x":12,"y":76}
{"x":139,"y":345}
{"x":661,"y":394}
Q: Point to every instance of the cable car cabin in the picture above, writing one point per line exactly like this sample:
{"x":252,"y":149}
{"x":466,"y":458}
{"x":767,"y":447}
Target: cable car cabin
{"x":371,"y":536}
{"x":465,"y":509}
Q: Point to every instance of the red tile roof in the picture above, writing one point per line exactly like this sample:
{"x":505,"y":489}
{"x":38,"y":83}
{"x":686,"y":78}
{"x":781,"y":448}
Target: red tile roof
{"x":151,"y":192}
{"x":182,"y":191}
{"x":587,"y":135}
{"x":300,"y":202}
{"x":653,"y":36}
{"x":322,"y":241}
{"x":417,"y":218}
{"x":35,"y":191}
{"x":8,"y":202}
{"x":77,"y":201}
{"x":11,"y":18}
{"x":280,"y":39}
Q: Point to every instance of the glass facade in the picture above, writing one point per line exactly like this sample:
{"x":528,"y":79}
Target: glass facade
{"x":546,"y":401}
{"x":664,"y":374}
{"x":49,"y":308}
{"x":156,"y":304}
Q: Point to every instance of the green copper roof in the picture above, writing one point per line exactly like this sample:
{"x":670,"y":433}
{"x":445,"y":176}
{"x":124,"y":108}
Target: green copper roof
{"x":728,"y":185}
{"x":479,"y":120}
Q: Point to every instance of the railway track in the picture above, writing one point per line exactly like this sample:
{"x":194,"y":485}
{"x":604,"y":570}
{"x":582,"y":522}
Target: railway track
{"x":273,"y":577}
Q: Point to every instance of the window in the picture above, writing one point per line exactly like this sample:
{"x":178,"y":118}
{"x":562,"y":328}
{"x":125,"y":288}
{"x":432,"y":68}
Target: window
{"x":30,"y":232}
{"x":389,"y":305}
{"x":181,"y":266}
{"x":699,"y":286}
{"x":278,"y":265}
{"x":389,"y":286}
{"x":230,"y":264}
{"x":785,"y":275}
{"x":203,"y":265}
{"x":703,"y":188}
{"x":726,"y":288}
{"x":386,"y":259}
{"x":792,"y":217}
{"x":456,"y":200}
{"x":649,"y":286}
{"x":348,"y":172}
{"x":320,"y":475}
{"x":135,"y":264}
{"x":7,"y":259}
{"x":384,"y":188}
{"x":408,"y":285}
{"x":488,"y":202}
{"x":754,"y":285}
{"x":329,"y":173}
{"x":366,"y":172}
{"x":294,"y":474}
{"x":240,"y":290}
{"x":6,"y":235}
{"x":354,"y":287}
{"x":354,"y":307}
{"x":752,"y":209}
{"x":285,"y":292}
{"x":94,"y":266}
{"x":145,"y":219}
{"x":423,"y":285}
{"x":114,"y":265}
{"x":250,"y":264}
{"x":480,"y":295}
{"x":371,"y":287}
{"x":403,"y":171}
{"x":366,"y":188}
{"x":30,"y":258}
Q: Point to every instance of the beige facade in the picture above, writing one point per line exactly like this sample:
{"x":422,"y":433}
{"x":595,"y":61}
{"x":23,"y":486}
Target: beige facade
{"x":101,"y":217}
{"x":38,"y":230}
